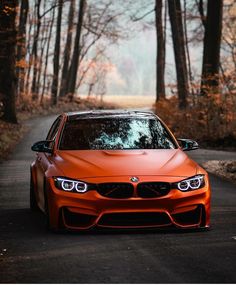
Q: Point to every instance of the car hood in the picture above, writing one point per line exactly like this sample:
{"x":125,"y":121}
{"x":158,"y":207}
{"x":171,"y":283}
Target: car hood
{"x":98,"y":163}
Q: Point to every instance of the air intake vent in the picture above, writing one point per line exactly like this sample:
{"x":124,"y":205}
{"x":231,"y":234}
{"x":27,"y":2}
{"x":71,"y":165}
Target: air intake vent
{"x":151,"y":219}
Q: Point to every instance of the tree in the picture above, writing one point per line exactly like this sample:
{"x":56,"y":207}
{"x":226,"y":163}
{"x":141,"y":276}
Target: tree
{"x":45,"y":31}
{"x":211,"y":47}
{"x":8,"y":33}
{"x":67,"y":51}
{"x":99,"y":22}
{"x":175,"y":14}
{"x":56,"y":58}
{"x":21,"y":45}
{"x":34,"y":88}
{"x":190,"y":74}
{"x":72,"y":74}
{"x":160,"y":64}
{"x":229,"y":35}
{"x":51,"y":22}
{"x":228,"y":60}
{"x":161,"y":38}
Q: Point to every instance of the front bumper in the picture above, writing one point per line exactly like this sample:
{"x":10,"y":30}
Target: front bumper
{"x":77,"y":211}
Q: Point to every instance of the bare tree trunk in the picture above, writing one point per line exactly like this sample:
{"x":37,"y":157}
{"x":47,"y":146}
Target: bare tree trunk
{"x":21,"y":46}
{"x":47,"y":56}
{"x":8,"y":10}
{"x":34,"y":88}
{"x":76,"y":53}
{"x":28,"y":51}
{"x":67,"y":51}
{"x":91,"y":86}
{"x":190,"y":74}
{"x":201,"y":11}
{"x":40,"y":64}
{"x":56,"y":58}
{"x":43,"y":43}
{"x":160,"y":64}
{"x":179,"y":51}
{"x":211,"y":50}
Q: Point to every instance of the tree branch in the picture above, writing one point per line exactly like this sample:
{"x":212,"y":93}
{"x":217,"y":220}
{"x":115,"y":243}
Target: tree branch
{"x":135,"y":19}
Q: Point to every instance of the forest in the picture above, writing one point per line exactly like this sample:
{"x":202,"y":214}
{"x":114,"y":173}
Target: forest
{"x":53,"y":51}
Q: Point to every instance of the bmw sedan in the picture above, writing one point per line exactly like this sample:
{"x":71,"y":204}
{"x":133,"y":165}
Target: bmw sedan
{"x":117,"y":169}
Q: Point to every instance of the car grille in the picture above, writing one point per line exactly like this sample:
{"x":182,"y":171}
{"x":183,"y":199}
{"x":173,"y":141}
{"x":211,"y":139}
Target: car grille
{"x":116,"y":190}
{"x":147,"y":219}
{"x":152,"y":189}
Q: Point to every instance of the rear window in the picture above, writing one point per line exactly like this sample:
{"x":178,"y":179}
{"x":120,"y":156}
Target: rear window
{"x":115,"y":133}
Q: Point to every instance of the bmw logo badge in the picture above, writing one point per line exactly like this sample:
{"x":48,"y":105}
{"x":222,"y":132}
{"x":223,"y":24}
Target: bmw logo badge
{"x":134,"y":179}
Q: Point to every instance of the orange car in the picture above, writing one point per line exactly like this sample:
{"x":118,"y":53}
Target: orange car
{"x":117,"y":169}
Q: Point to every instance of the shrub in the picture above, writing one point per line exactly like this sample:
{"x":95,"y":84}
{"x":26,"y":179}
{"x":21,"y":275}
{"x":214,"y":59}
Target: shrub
{"x":211,"y":119}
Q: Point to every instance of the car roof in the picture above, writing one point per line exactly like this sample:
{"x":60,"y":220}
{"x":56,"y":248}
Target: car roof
{"x":109,"y":113}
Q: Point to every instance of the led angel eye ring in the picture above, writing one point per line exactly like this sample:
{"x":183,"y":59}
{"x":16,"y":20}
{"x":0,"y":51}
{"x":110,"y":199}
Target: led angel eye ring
{"x":198,"y":183}
{"x":183,"y":188}
{"x":63,"y":185}
{"x":81,"y":190}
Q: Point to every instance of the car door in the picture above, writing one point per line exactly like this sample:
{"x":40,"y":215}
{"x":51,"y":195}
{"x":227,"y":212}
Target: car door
{"x":43,"y":162}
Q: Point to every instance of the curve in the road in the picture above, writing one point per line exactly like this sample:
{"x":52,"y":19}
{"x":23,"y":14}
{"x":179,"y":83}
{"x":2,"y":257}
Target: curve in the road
{"x":30,"y":254}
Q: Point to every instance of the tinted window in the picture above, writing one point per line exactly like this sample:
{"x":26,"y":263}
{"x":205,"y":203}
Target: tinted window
{"x":115,"y":133}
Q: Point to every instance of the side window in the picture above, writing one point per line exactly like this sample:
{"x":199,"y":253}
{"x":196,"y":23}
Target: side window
{"x":54,"y":128}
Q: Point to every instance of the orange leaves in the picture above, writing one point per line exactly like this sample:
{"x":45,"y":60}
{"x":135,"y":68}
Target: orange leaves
{"x":22,"y":63}
{"x":9,"y":10}
{"x":209,"y":118}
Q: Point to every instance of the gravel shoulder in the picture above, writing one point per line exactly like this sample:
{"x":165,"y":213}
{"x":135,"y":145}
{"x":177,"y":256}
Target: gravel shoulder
{"x":223,"y":168}
{"x":217,"y":162}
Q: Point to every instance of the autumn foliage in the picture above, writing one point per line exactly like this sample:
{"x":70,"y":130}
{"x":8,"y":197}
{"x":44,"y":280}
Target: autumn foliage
{"x":210,"y":119}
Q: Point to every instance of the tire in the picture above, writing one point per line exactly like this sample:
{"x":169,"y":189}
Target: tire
{"x":33,"y":203}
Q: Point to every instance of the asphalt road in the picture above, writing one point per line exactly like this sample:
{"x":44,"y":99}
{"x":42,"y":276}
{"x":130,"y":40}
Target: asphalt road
{"x":30,"y":254}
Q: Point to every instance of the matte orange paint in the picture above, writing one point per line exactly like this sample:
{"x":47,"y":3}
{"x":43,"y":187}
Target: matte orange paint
{"x":100,"y":166}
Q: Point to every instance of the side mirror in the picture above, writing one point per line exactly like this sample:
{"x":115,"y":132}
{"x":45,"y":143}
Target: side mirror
{"x":42,"y":146}
{"x":187,"y":144}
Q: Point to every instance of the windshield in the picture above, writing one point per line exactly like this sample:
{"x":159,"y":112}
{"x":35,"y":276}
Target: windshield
{"x":115,"y":133}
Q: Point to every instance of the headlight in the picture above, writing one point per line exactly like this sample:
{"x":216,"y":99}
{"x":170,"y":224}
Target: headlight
{"x":70,"y":185}
{"x":193,"y":183}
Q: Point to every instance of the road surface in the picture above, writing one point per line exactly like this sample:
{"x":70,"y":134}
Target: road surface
{"x":30,"y":254}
